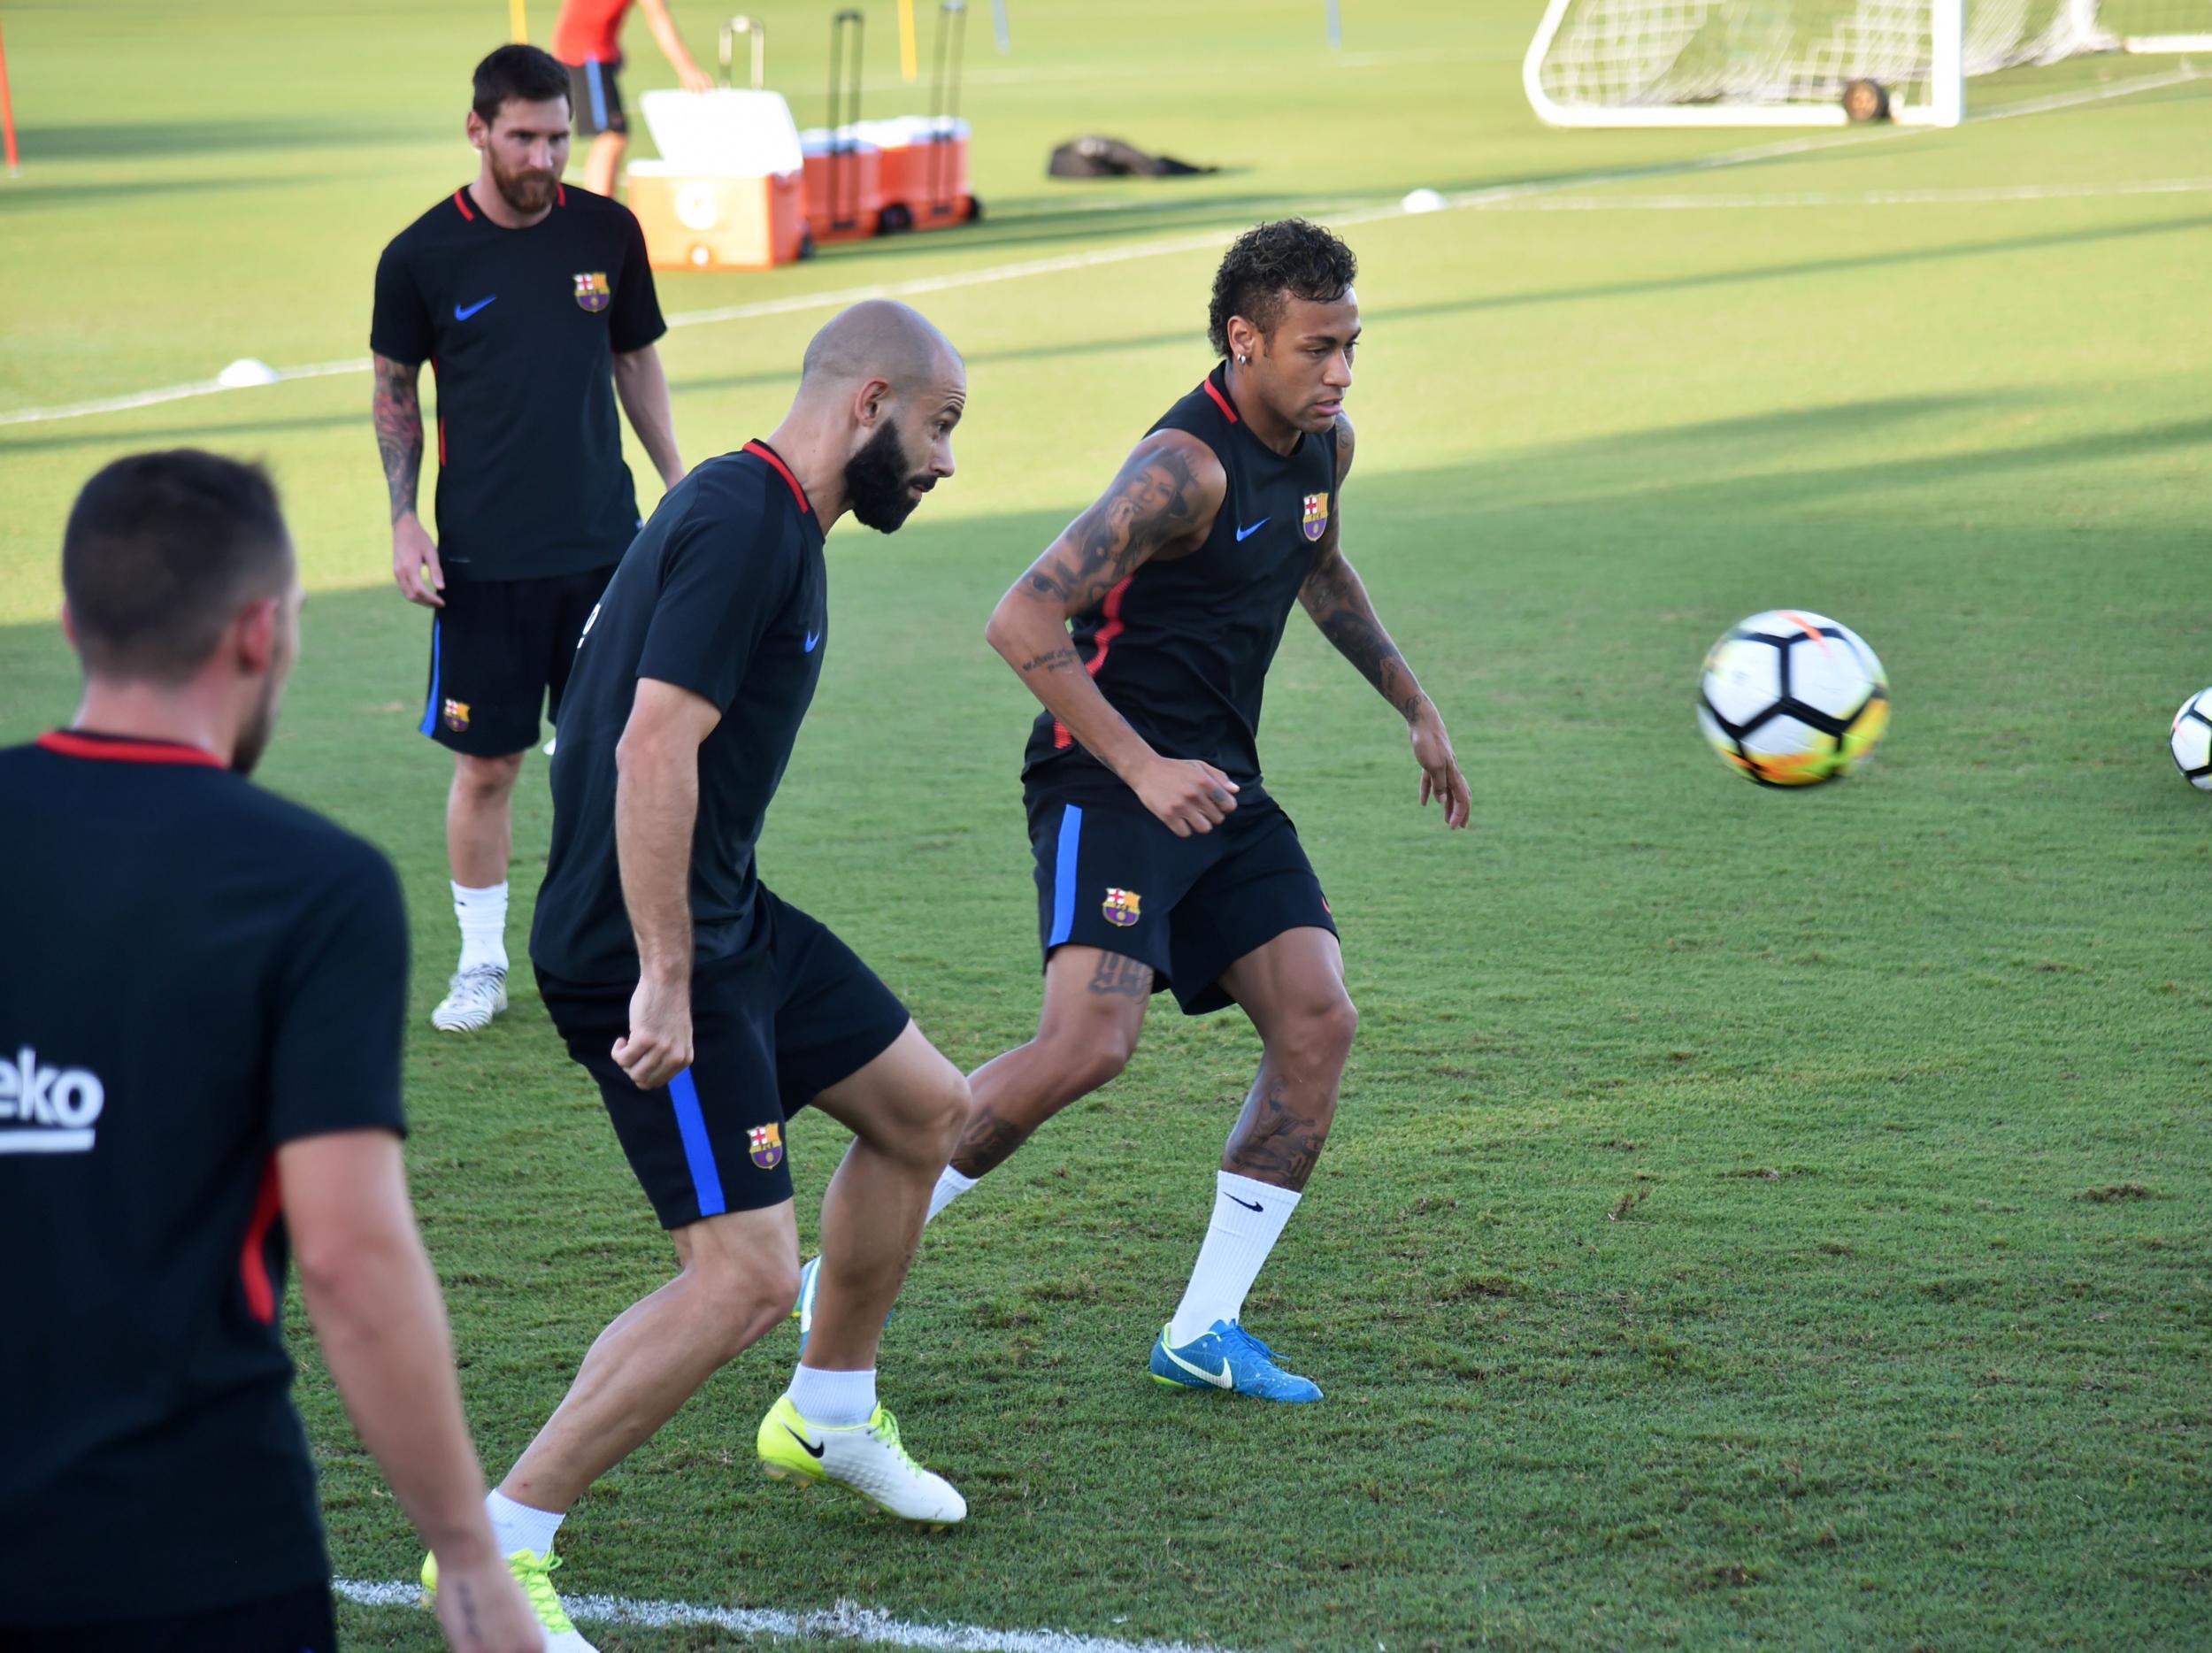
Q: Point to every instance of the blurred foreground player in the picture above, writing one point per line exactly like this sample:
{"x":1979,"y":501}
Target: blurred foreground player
{"x":1161,"y":859}
{"x":202,"y":1076}
{"x":534,"y":307}
{"x":708,"y":1011}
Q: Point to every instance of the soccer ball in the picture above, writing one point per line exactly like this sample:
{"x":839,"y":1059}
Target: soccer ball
{"x":1791,"y":699}
{"x":2192,"y":740}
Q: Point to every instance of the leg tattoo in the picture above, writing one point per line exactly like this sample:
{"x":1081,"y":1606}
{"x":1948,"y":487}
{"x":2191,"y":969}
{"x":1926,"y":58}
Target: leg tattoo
{"x":1122,"y":978}
{"x":986,"y":1142}
{"x":1275,"y":1141}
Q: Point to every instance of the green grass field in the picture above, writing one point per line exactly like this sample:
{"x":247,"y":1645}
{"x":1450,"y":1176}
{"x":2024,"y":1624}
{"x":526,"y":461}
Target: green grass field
{"x":1752,"y":1219}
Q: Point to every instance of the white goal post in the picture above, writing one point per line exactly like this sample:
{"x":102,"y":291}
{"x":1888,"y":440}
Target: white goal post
{"x":1788,"y":63}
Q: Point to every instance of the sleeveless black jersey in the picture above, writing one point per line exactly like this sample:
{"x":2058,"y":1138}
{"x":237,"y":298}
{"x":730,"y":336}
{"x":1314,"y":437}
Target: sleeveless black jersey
{"x":1181,"y":646}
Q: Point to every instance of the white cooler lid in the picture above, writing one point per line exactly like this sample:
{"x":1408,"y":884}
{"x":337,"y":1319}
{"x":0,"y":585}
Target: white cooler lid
{"x":723,"y":133}
{"x":900,"y":130}
{"x":820,"y":140}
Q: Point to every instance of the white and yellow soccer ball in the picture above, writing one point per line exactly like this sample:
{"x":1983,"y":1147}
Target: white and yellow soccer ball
{"x":2192,"y":741}
{"x":1791,"y":698}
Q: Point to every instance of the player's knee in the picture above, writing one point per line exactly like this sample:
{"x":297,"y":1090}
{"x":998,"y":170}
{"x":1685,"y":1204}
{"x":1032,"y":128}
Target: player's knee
{"x":948,"y":1114}
{"x":487,"y":778}
{"x":1092,"y":1053}
{"x":1318,"y":1037}
{"x":737,"y":1307}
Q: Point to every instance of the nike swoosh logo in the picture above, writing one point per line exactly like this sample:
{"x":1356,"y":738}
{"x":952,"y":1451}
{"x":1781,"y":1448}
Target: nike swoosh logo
{"x":1242,"y":533}
{"x":1220,"y":1380}
{"x":815,"y":1451}
{"x":460,"y":314}
{"x":1249,"y":1206}
{"x":812,"y":638}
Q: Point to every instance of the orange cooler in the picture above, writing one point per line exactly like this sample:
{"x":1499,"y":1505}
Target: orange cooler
{"x":844,"y":185}
{"x":924,"y":171}
{"x":728,"y":191}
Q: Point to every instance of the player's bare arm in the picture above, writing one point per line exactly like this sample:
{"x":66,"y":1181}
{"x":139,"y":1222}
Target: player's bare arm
{"x":1337,"y":599}
{"x":1160,"y":505}
{"x":689,"y":74}
{"x":374,"y":1302}
{"x":396,"y":407}
{"x":642,"y":386}
{"x":656,"y":808}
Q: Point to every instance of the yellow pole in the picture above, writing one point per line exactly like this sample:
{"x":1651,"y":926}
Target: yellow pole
{"x":908,"y":65}
{"x":517,"y":19}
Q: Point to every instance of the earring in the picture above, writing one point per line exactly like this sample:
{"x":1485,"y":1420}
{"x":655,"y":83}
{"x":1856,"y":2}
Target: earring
{"x":1244,"y":361}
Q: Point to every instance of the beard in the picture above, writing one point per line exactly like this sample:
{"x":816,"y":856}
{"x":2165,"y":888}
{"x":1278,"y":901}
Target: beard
{"x":253,"y":734}
{"x":878,"y":482}
{"x":527,"y":192}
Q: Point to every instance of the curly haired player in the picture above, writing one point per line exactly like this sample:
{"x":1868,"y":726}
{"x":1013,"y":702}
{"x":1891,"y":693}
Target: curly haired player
{"x":1161,"y":860}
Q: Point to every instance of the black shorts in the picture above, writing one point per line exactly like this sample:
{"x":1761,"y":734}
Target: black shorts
{"x":771,"y":1030}
{"x":298,"y":1621}
{"x":595,"y":98}
{"x":500,"y":650}
{"x":1110,"y":874}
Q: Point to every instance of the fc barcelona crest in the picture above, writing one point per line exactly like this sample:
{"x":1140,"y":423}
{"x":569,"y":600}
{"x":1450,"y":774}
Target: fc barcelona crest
{"x":1317,"y":515}
{"x":592,"y":291}
{"x":1121,"y":907}
{"x":456,"y":715}
{"x":767,"y":1141}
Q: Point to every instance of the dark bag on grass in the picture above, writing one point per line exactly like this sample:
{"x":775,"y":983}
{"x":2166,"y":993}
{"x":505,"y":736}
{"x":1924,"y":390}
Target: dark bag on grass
{"x":1111,"y":157}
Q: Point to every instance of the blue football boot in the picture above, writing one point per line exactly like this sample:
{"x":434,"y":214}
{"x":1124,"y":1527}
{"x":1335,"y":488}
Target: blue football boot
{"x":802,"y":1310}
{"x":1231,"y":1358}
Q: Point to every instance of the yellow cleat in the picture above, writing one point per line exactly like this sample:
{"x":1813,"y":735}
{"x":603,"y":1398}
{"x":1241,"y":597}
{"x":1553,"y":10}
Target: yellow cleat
{"x":534,"y":1573}
{"x":864,"y":1459}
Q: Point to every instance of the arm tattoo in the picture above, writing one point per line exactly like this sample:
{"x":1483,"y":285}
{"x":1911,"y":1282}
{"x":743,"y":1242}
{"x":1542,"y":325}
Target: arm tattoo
{"x":1271,"y":1144}
{"x":1338,"y":602}
{"x":986,"y":1142}
{"x":1122,"y":978}
{"x":471,"y":1625}
{"x":1149,"y":507}
{"x":398,"y":432}
{"x":1060,"y":659}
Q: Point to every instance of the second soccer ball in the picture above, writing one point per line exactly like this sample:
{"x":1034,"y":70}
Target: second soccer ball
{"x":2192,"y":741}
{"x":1791,"y":698}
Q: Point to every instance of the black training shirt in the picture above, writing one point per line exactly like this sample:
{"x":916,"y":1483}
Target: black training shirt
{"x":520,"y":326}
{"x":1181,"y":648}
{"x":724,"y":593}
{"x":201,"y":973}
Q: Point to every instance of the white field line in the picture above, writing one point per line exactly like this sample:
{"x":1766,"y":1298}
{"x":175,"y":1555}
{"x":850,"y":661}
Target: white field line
{"x":1196,"y":242}
{"x":844,"y":1622}
{"x":1865,"y":197}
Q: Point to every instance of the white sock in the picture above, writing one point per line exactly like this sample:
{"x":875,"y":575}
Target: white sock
{"x":950,"y":1186}
{"x":834,"y":1399}
{"x":1248,"y":1216}
{"x":483,"y":916}
{"x":517,"y":1526}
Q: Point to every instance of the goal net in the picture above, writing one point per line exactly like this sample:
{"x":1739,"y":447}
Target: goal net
{"x":1616,"y":62}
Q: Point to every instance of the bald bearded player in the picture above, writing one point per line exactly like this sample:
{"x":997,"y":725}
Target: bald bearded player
{"x":708,"y":1011}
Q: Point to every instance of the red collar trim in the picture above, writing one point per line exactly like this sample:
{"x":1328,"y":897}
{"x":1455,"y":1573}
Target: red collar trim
{"x":760,"y":449}
{"x":461,"y":200}
{"x":122,"y":749}
{"x":1220,"y":400}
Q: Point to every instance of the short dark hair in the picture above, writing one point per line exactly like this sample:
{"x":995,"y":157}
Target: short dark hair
{"x":519,"y":71}
{"x":161,"y":552}
{"x":1290,"y":256}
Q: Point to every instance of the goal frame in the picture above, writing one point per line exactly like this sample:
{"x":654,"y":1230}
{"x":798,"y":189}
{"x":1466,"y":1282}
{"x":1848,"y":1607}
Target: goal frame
{"x":1940,"y":99}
